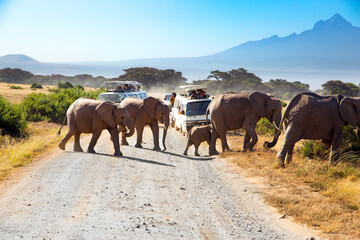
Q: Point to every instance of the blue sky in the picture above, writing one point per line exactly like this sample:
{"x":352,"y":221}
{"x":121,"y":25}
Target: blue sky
{"x":108,"y":30}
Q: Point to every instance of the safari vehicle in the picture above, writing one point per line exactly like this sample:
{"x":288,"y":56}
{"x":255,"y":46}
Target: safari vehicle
{"x":188,"y":110}
{"x":116,"y":91}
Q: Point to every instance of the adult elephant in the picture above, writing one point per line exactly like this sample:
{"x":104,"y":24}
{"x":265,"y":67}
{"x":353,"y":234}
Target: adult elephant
{"x":310,"y":116}
{"x":149,"y":111}
{"x":231,"y":111}
{"x":92,"y":116}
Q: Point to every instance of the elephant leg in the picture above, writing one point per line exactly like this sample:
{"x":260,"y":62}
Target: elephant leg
{"x":93,"y":141}
{"x":246,"y":140}
{"x":115,"y":139}
{"x":224,"y":145}
{"x":335,"y":145}
{"x":139,"y":133}
{"x":63,"y":141}
{"x":77,"y":146}
{"x":253,"y":136}
{"x":212,"y":145}
{"x":188,"y":144}
{"x":123,"y":139}
{"x":289,"y":153}
{"x":196,"y":149}
{"x":291,"y":137}
{"x":155,"y":130}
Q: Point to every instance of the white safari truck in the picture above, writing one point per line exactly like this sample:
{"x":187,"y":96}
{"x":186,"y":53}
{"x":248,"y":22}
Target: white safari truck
{"x":116,"y":91}
{"x":189,"y":108}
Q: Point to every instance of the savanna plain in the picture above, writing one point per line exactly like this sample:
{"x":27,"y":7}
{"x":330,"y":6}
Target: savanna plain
{"x":309,"y":192}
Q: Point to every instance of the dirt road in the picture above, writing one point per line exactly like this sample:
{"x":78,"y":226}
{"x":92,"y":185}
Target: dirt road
{"x":143,"y":195}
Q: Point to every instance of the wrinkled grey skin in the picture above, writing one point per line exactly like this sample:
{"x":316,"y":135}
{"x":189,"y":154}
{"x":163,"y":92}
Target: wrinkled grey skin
{"x":232,"y":111}
{"x":197,"y":135}
{"x":92,"y":116}
{"x":310,"y":116}
{"x":149,"y":111}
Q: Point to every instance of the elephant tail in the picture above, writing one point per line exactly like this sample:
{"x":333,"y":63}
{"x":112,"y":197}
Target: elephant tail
{"x":58,"y":133}
{"x":207,"y":114}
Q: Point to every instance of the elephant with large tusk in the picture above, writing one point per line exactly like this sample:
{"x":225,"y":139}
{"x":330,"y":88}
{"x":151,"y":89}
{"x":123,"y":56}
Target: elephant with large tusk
{"x":310,"y":116}
{"x":231,"y":111}
{"x":92,"y":116}
{"x":149,"y":111}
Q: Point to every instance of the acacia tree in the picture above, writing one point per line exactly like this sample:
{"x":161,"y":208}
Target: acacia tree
{"x":153,"y":77}
{"x":339,"y":87}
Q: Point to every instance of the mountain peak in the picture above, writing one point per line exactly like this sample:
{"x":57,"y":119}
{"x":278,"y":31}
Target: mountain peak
{"x":336,"y":22}
{"x":18,"y":58}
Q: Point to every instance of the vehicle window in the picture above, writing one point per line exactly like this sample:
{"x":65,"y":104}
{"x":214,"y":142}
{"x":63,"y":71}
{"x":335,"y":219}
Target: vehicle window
{"x":111,"y":97}
{"x":196,"y":108}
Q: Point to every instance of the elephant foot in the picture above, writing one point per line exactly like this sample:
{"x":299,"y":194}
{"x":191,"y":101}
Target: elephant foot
{"x":118,"y":153}
{"x":61,"y":146}
{"x":244,"y":150}
{"x":156,"y":149}
{"x":213,"y":152}
{"x":281,"y":164}
{"x":196,"y":154}
{"x":91,"y":151}
{"x":78,"y":149}
{"x":138,"y":146}
{"x":185,"y":153}
{"x":124,"y":143}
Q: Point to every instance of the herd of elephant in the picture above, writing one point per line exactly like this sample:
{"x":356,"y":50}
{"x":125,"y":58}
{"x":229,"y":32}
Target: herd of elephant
{"x":307,"y":116}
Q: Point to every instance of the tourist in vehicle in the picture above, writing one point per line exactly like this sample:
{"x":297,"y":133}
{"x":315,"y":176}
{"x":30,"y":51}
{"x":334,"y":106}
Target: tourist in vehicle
{"x":118,"y":88}
{"x":126,"y":87}
{"x":203,"y":94}
{"x":193,"y":95}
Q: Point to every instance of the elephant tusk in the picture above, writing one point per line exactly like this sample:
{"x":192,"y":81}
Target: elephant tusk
{"x":277,"y":128}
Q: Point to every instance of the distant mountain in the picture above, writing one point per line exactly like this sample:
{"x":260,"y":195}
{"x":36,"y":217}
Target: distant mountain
{"x":331,"y":44}
{"x":18,"y":58}
{"x":329,"y":51}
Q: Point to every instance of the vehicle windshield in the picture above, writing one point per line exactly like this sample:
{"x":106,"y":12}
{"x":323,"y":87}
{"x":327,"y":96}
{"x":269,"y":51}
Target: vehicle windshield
{"x":111,"y":97}
{"x":196,"y":108}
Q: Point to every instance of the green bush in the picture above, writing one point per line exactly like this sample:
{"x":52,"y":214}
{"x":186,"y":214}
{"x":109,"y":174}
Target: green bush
{"x":35,"y":86}
{"x":12,"y":119}
{"x":264,"y":127}
{"x":53,"y":107}
{"x":15,"y":87}
{"x":314,"y":149}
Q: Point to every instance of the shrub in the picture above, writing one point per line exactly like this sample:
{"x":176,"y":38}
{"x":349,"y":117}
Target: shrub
{"x":314,"y":149}
{"x":264,"y":127}
{"x":53,"y":107}
{"x":12,"y":119}
{"x":35,"y":86}
{"x":15,"y":87}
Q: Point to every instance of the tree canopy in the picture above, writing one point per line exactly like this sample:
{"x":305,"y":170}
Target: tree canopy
{"x":339,"y":87}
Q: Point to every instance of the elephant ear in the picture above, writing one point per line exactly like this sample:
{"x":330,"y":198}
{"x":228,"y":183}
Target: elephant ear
{"x":150,"y":104}
{"x":350,"y":111}
{"x":259,"y":101}
{"x":105,"y":112}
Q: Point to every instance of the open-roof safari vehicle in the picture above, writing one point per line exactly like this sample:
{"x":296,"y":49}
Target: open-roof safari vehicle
{"x":190,"y":107}
{"x":116,"y":91}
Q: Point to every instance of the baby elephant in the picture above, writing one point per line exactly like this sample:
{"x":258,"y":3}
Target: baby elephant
{"x":197,"y":135}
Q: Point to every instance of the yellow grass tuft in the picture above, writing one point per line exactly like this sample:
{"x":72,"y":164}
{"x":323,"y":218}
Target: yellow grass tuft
{"x":17,"y":153}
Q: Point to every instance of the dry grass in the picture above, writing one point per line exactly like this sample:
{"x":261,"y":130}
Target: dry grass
{"x":17,"y":95}
{"x":17,"y":153}
{"x":323,"y":197}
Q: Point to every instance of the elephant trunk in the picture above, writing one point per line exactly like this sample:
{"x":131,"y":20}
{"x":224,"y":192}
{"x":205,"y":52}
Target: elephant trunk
{"x":130,"y":125}
{"x":166,"y":126}
{"x":277,"y":124}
